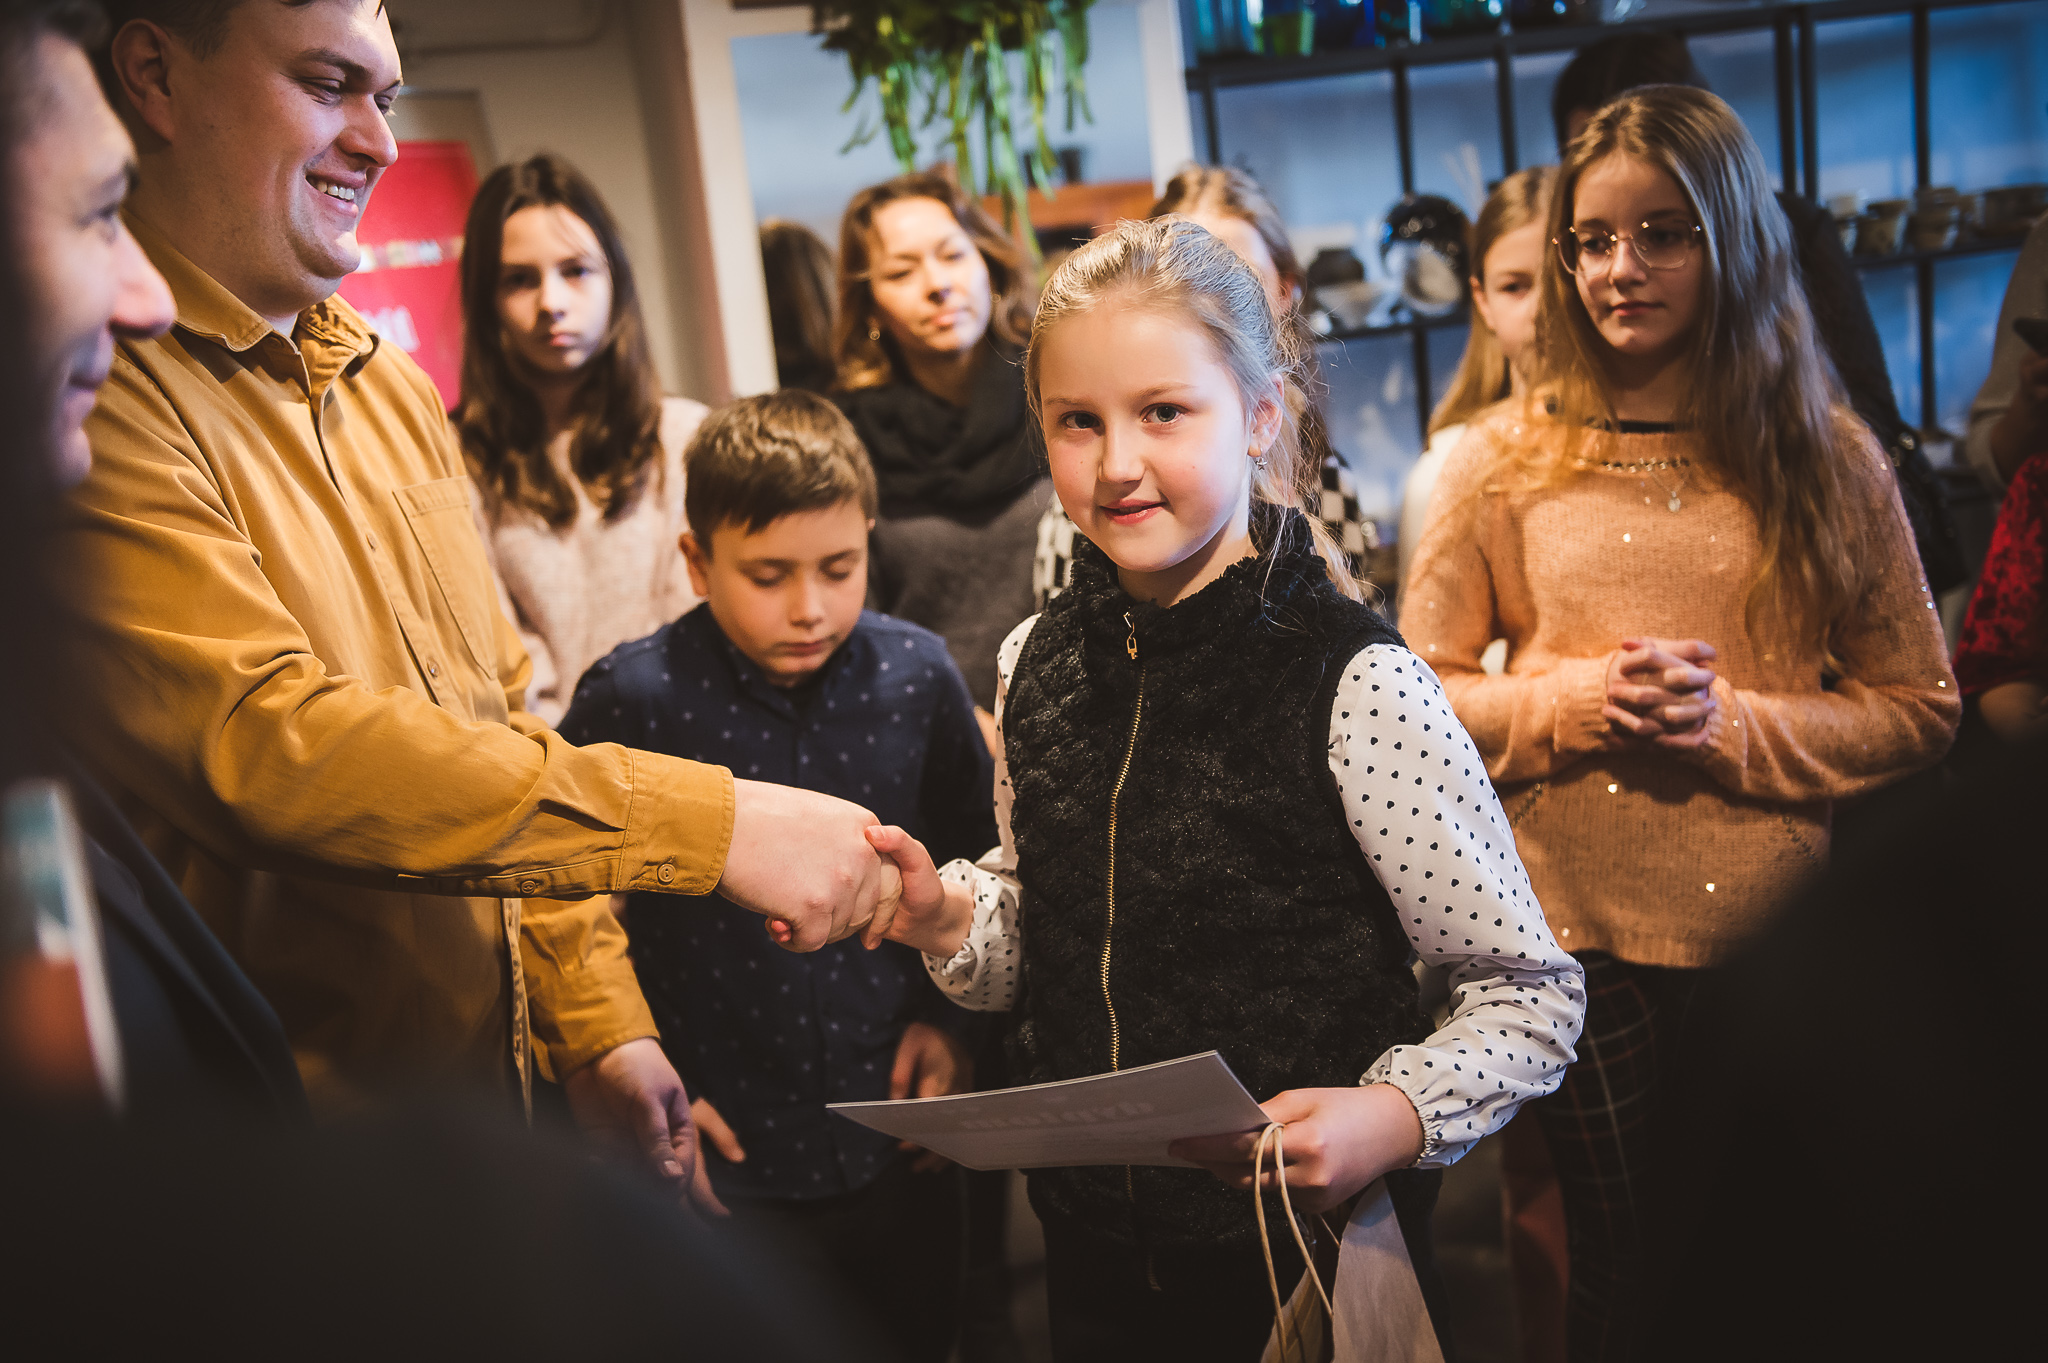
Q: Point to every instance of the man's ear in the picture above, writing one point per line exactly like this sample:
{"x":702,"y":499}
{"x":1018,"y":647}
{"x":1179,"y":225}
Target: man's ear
{"x":698,"y":560}
{"x":141,"y":58}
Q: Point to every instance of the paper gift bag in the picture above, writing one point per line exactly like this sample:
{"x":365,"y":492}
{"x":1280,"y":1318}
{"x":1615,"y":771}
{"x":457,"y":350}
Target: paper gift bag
{"x":1380,"y":1314}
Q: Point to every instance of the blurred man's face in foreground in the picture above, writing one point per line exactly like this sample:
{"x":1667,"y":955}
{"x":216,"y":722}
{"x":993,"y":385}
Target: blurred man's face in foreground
{"x":88,"y":282}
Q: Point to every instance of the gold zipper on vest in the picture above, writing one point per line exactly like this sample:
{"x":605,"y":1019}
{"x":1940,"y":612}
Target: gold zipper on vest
{"x":1115,"y":794}
{"x":1109,"y":919}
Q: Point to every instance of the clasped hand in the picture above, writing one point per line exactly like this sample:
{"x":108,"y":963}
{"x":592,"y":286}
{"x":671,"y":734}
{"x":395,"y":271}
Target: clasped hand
{"x":1659,"y":693}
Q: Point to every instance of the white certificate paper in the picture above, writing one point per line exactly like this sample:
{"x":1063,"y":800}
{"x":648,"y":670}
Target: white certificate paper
{"x":1128,"y":1117}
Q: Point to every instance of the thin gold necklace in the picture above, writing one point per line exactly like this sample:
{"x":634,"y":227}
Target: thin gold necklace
{"x":1652,"y":467}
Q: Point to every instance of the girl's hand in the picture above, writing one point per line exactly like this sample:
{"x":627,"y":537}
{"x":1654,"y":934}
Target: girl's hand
{"x":924,"y":912}
{"x":1659,"y":691}
{"x":1337,"y":1141}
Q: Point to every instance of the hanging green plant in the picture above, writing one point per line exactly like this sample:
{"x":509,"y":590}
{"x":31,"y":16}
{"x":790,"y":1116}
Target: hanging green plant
{"x":943,"y":61}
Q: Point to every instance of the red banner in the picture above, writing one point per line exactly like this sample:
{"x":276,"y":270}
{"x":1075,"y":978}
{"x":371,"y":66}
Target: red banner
{"x":409,"y":285}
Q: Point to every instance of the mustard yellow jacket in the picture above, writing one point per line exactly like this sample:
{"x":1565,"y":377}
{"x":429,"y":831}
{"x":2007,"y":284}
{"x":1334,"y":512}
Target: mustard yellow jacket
{"x":292,"y":668}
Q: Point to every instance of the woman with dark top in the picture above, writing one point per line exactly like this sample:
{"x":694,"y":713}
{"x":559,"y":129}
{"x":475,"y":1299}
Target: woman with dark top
{"x":934,"y":305}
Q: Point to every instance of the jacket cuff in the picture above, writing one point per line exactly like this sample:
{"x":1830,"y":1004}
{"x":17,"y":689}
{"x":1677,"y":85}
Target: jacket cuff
{"x":678,"y":828}
{"x":582,"y":995}
{"x":1578,"y":726}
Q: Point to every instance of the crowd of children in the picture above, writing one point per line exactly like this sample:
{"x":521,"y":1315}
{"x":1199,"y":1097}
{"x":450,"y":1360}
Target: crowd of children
{"x":1056,"y":587}
{"x":1658,"y":625}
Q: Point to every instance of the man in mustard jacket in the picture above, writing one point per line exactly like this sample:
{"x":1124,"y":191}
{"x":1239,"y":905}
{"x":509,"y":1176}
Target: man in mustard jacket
{"x":293,"y":670}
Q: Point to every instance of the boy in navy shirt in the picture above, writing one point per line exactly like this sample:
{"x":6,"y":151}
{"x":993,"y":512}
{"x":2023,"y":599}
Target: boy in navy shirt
{"x":781,"y":676}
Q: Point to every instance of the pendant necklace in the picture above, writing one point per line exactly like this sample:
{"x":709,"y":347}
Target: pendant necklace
{"x":1671,"y":492}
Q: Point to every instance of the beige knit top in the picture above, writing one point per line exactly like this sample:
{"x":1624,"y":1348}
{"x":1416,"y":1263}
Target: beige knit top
{"x":1659,"y":857}
{"x":579,"y":592}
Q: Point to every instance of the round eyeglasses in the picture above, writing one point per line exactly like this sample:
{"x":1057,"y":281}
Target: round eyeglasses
{"x":1658,"y":245}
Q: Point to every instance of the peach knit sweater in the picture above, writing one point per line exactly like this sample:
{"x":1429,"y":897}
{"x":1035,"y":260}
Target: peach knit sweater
{"x":1658,"y":857}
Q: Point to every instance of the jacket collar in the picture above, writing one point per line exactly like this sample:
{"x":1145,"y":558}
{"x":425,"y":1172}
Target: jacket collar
{"x":1274,"y":589}
{"x":207,"y":309}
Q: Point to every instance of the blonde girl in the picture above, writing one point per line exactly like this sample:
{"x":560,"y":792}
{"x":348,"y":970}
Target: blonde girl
{"x":1232,"y":806}
{"x":1508,"y":246}
{"x":1229,"y":203}
{"x":1717,"y":626}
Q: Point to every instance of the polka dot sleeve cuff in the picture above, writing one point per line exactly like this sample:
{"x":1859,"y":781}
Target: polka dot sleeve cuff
{"x":982,"y":975}
{"x":1433,"y":831}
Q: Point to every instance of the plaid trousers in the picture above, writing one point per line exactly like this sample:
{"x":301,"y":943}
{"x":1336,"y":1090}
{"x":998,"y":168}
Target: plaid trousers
{"x":1619,"y":1151}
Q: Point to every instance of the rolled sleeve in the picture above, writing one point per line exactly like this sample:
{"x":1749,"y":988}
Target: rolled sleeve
{"x":582,"y":994}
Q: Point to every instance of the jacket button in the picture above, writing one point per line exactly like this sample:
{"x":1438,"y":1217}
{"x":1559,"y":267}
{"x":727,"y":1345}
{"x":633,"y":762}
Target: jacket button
{"x":433,"y":669}
{"x":666,"y":874}
{"x":529,"y":887}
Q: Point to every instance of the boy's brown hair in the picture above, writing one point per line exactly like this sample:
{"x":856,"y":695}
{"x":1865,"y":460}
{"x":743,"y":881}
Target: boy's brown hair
{"x":773,"y":455}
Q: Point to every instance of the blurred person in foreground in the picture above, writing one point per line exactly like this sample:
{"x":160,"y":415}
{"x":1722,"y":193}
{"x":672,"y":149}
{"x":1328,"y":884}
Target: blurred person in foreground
{"x":293,"y":669}
{"x":193,"y":1031}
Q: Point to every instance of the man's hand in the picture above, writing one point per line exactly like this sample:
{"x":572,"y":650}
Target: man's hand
{"x":631,"y":1100}
{"x":802,"y":859}
{"x":1337,"y":1141}
{"x":929,"y":1064}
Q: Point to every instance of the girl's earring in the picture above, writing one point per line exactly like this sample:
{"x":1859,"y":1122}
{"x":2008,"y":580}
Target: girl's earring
{"x":874,"y":333}
{"x":1260,"y":460}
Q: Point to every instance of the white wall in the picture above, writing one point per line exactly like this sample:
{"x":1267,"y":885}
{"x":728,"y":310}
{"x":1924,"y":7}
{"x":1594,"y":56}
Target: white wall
{"x":583,"y":101}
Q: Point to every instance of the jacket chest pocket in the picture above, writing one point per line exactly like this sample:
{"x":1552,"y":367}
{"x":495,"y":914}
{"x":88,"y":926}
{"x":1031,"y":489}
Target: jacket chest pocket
{"x":445,"y":529}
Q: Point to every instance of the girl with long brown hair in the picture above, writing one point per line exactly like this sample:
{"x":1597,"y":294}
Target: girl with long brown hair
{"x":1717,"y":626}
{"x":574,"y":450}
{"x":934,"y":306}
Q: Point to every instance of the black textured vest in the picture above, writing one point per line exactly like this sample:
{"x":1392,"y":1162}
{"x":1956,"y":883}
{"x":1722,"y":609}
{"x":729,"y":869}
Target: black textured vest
{"x":1244,"y":917}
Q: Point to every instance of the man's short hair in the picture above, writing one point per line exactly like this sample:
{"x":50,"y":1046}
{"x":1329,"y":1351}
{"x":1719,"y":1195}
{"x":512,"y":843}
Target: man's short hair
{"x":1602,"y":72}
{"x":202,"y":25}
{"x":22,"y":23}
{"x":770,"y":456}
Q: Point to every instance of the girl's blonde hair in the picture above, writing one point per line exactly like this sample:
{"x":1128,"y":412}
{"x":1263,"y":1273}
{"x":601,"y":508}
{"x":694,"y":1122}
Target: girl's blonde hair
{"x":1174,"y":266}
{"x":1761,"y":389}
{"x":1483,"y":378}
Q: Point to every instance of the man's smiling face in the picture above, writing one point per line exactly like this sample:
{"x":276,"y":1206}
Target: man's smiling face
{"x":276,"y":139}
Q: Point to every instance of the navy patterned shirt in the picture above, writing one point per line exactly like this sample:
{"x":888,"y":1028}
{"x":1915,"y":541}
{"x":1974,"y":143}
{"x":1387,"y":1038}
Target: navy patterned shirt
{"x":768,"y":1036}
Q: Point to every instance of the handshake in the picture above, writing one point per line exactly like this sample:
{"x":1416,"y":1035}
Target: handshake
{"x":821,"y":869}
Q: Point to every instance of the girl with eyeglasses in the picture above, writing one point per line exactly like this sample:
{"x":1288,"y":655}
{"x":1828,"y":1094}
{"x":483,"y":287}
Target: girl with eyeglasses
{"x":1717,"y":627}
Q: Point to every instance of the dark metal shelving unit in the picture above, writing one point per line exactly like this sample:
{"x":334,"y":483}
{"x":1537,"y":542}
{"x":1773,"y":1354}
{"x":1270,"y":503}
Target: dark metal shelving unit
{"x":1407,"y":326}
{"x":1793,"y":27}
